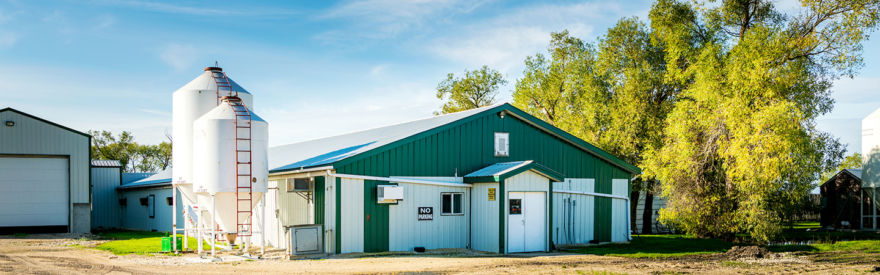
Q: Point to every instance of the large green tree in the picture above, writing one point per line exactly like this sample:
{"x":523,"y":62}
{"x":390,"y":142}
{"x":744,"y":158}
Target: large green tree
{"x":132,"y":156}
{"x":475,"y":89}
{"x":741,"y":143}
{"x":613,"y":94}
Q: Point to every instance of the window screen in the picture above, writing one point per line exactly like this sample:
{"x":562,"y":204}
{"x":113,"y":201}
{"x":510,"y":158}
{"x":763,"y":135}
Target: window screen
{"x":502,"y":144}
{"x":451,"y":204}
{"x":299,"y":184}
{"x":151,"y":207}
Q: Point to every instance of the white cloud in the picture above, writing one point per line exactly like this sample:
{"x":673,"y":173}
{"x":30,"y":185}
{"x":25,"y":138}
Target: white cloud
{"x":379,"y":70}
{"x":504,"y":41}
{"x":7,"y":39}
{"x":104,"y":22}
{"x":854,"y":98}
{"x":104,"y":101}
{"x":306,"y":117}
{"x":501,"y":48}
{"x":179,"y":57}
{"x":202,"y":10}
{"x":378,"y":19}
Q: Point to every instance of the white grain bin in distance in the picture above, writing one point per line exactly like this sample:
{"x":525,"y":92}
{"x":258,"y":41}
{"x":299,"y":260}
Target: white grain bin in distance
{"x":871,"y":150}
{"x":214,"y":142}
{"x":189,"y":103}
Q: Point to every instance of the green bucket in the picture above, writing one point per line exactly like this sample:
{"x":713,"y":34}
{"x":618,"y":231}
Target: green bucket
{"x":166,"y":244}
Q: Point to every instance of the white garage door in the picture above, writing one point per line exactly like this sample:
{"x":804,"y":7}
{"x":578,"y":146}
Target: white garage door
{"x":33,"y":191}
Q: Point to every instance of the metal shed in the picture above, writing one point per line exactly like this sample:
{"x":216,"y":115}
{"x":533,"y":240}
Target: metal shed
{"x":430,"y":159}
{"x":846,"y":204}
{"x":44,"y":175}
{"x":106,"y":176}
{"x":145,"y":204}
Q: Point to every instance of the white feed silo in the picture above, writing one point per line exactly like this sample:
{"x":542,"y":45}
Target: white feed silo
{"x":871,"y":168}
{"x":190,"y":102}
{"x":871,"y":150}
{"x":230,"y":172}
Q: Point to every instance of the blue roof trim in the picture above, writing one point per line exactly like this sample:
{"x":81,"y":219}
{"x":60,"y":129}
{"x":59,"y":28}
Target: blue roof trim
{"x":327,"y":158}
{"x":502,"y":170}
{"x":127,"y":187}
{"x":495,"y":169}
{"x":149,"y":183}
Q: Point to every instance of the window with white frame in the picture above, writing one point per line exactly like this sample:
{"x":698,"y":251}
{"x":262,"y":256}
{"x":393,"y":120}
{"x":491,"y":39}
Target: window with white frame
{"x":502,"y":144}
{"x":451,"y":204}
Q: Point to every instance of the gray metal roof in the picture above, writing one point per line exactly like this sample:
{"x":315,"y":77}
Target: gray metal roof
{"x":105,"y":163}
{"x":855,"y":172}
{"x":329,"y":150}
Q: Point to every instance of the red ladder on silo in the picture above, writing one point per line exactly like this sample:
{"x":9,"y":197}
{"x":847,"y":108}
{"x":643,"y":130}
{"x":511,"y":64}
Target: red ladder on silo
{"x":243,"y":167}
{"x":223,"y":84}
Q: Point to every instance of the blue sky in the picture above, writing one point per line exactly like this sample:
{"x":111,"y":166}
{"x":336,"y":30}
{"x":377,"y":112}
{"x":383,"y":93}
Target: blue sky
{"x":315,"y":68}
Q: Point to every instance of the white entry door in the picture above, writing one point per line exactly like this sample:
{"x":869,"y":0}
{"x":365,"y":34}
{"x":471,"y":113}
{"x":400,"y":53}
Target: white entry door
{"x":527,"y":223}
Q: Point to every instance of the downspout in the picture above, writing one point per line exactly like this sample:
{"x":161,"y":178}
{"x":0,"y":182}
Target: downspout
{"x":470,"y":216}
{"x":174,"y":217}
{"x":213,"y":227}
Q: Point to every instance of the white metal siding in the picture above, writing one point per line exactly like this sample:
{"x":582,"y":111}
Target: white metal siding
{"x":34,"y":192}
{"x":407,"y":232}
{"x":33,"y":137}
{"x":105,"y":202}
{"x":657,"y":203}
{"x":295,"y":209}
{"x":330,"y":215}
{"x":265,"y":209}
{"x":573,"y":213}
{"x":352,"y":225}
{"x":484,"y":217}
{"x":528,"y":181}
{"x":619,"y":211}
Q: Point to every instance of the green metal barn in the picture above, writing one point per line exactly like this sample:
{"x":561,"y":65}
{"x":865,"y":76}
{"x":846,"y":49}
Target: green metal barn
{"x":491,"y":179}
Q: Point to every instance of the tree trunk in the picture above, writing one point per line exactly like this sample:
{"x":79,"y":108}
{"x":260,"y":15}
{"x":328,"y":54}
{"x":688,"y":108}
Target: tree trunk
{"x":648,"y":215}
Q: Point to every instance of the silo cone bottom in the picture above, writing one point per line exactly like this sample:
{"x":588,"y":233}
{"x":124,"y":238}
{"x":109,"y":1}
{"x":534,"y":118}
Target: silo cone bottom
{"x":230,"y":237}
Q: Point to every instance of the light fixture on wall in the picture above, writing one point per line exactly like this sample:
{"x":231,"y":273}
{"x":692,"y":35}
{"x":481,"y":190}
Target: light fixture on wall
{"x":10,"y":123}
{"x":501,"y":114}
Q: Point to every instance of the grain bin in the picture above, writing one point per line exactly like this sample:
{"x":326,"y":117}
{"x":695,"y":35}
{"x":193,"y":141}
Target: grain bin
{"x":231,"y":173}
{"x":190,"y":102}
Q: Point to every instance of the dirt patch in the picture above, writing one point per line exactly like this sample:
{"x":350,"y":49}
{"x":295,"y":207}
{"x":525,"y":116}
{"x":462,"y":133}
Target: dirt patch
{"x":747,"y":252}
{"x":72,"y":255}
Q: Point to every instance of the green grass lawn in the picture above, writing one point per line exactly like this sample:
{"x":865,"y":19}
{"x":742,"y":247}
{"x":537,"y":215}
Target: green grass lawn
{"x":810,"y":231}
{"x":806,"y":225}
{"x":659,"y":246}
{"x":866,"y":246}
{"x":136,"y":242}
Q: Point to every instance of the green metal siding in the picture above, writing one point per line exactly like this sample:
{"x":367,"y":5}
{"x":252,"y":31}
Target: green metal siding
{"x":467,"y":145}
{"x":319,"y":200}
{"x":501,"y":210}
{"x":375,"y":219}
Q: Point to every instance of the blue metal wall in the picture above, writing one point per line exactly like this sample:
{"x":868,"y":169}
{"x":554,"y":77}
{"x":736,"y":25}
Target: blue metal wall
{"x":136,"y":216}
{"x":105,"y":202}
